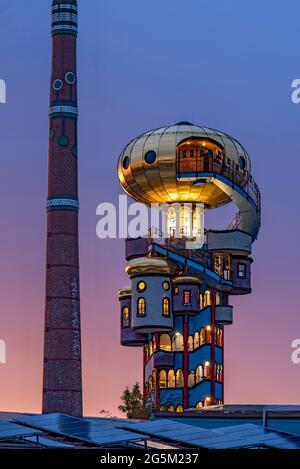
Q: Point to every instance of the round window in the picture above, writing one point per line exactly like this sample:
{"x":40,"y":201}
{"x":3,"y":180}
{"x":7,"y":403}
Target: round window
{"x":70,"y":78}
{"x":57,"y":84}
{"x":242,"y":162}
{"x":126,"y":162}
{"x":150,"y":157}
{"x":141,"y":286}
{"x":166,"y":286}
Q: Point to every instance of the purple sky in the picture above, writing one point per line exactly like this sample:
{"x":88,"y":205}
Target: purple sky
{"x":226,"y":65}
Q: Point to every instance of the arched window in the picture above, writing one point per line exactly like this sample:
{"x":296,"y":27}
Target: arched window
{"x":196,"y":340}
{"x":166,"y":307}
{"x":171,"y":408}
{"x":154,"y":342}
{"x":207,"y":300}
{"x":179,"y":408}
{"x":218,"y":298}
{"x":201,"y":301}
{"x":179,"y":378}
{"x":191,"y":379}
{"x":207,"y":370}
{"x":150,"y":381}
{"x":171,"y":379}
{"x":199,"y":374}
{"x":199,"y":405}
{"x":141,"y":307}
{"x":163,"y":408}
{"x":202,"y":336}
{"x":165,"y":343}
{"x":208,"y":334}
{"x":177,"y":342}
{"x":125,"y":316}
{"x":191,"y":343}
{"x":150,"y":348}
{"x":172,"y":222}
{"x":220,"y":337}
{"x":162,"y":379}
{"x":185,"y":221}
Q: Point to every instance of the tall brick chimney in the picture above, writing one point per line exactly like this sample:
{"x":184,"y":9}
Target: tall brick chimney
{"x":62,"y":387}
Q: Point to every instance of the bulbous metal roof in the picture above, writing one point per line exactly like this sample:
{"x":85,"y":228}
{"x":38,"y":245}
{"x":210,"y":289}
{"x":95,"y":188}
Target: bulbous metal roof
{"x":147,"y":165}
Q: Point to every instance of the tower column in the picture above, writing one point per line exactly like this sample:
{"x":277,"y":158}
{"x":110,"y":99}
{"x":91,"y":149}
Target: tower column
{"x":185,"y":362}
{"x":62,"y":386}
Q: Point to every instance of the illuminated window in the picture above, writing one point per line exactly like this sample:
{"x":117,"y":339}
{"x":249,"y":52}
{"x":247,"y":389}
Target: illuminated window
{"x":141,"y":286}
{"x":207,"y":300}
{"x":208,"y":334}
{"x":150,"y":348}
{"x":187,"y":297}
{"x":179,"y":378}
{"x":196,"y":222}
{"x":202,"y":336}
{"x":191,"y":379}
{"x":166,"y":285}
{"x":241,"y":270}
{"x":185,"y":221}
{"x":218,"y":298}
{"x":199,"y":374}
{"x":166,"y":307}
{"x":176,"y":291}
{"x":141,"y":307}
{"x":179,"y":408}
{"x":172,"y":221}
{"x":150,"y":386}
{"x":207,"y":370}
{"x":171,"y":379}
{"x":162,"y":379}
{"x":199,"y":405}
{"x":201,"y":301}
{"x":177,"y":342}
{"x":171,"y":408}
{"x":196,"y":340}
{"x":163,"y":408}
{"x":191,"y":343}
{"x":165,"y":343}
{"x":125,"y":316}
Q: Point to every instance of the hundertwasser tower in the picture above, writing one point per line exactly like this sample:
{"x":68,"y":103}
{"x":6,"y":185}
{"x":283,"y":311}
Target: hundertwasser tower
{"x":178,"y":301}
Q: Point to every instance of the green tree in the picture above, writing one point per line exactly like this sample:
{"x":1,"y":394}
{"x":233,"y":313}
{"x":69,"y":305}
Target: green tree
{"x":133,"y":403}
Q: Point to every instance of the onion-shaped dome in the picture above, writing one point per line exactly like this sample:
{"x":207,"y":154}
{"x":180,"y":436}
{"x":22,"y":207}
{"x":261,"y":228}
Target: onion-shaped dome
{"x":186,"y":279}
{"x":124,"y":292}
{"x":160,"y":165}
{"x":150,"y":265}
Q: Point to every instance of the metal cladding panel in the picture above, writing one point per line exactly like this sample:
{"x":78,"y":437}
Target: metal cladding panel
{"x":94,"y":433}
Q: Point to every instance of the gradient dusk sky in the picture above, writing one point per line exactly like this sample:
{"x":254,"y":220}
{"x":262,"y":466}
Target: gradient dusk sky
{"x":143,"y":64}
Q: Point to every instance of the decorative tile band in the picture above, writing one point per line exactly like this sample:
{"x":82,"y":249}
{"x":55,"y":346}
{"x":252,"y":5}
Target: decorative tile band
{"x":63,"y":110}
{"x":59,"y":204}
{"x":64,"y":16}
{"x":64,"y":6}
{"x":60,"y":28}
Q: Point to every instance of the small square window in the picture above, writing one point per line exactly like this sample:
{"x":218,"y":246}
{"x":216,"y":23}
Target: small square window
{"x":242,"y":271}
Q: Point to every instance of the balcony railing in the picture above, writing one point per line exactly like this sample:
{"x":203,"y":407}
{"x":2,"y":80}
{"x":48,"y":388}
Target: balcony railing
{"x":227,"y":168}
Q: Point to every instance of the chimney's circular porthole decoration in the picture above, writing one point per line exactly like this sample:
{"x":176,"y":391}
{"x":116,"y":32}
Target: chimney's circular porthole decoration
{"x":70,"y":78}
{"x":57,"y":84}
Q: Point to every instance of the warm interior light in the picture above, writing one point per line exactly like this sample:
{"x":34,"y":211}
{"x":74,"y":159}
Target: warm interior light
{"x":208,"y":328}
{"x":204,"y":144}
{"x":207,"y":363}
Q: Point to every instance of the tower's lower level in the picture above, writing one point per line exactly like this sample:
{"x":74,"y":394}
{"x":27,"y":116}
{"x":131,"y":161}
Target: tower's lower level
{"x":176,"y":309}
